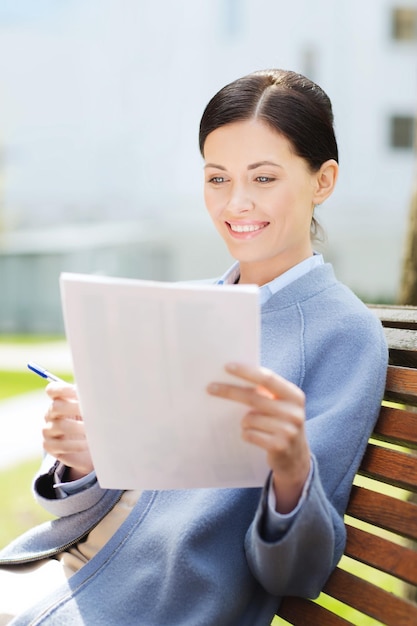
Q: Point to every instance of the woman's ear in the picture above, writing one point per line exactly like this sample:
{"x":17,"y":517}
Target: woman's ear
{"x":325,"y":181}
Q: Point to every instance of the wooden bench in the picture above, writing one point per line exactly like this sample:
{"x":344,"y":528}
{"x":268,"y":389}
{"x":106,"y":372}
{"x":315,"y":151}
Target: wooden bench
{"x":374,"y":509}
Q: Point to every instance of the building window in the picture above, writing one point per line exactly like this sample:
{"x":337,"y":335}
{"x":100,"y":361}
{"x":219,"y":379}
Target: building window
{"x":404,"y":24}
{"x":402,"y":131}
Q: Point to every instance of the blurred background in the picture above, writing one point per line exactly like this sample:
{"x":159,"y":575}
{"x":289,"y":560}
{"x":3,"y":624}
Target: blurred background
{"x":100,"y":102}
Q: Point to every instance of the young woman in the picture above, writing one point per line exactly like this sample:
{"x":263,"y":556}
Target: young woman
{"x":226,"y":556}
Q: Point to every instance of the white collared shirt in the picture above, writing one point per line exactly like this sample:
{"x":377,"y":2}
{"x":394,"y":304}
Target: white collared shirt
{"x":271,"y":288}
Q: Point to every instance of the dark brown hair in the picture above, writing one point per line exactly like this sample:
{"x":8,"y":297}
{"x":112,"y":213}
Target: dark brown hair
{"x":288,"y":102}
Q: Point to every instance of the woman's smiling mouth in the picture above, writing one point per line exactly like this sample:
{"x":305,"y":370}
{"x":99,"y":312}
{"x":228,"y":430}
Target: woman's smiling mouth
{"x":245,"y":230}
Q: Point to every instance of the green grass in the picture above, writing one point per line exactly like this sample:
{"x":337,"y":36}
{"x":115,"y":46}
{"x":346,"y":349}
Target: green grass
{"x":19,"y":509}
{"x":29,"y":339}
{"x":15,"y":383}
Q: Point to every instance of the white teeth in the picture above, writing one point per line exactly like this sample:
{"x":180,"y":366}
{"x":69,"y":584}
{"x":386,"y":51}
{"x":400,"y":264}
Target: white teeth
{"x":245,"y":228}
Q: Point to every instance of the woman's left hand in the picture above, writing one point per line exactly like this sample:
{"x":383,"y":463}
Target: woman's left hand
{"x":276,"y":423}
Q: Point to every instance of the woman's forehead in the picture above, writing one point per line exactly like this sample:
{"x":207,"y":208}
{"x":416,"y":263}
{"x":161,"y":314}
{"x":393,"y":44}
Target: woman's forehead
{"x":249,"y":139}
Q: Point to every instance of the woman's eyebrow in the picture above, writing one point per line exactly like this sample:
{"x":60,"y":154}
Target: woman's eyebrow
{"x":218,"y":167}
{"x":253,"y":166}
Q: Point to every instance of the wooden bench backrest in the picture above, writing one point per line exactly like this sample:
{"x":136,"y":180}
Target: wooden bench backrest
{"x":393,"y":552}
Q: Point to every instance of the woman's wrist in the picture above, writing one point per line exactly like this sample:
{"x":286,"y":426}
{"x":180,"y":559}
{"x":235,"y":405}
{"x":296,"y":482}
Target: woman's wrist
{"x":71,"y":474}
{"x":288,"y":491}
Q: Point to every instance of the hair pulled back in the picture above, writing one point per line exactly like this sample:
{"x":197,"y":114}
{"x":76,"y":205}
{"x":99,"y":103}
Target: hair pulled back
{"x":288,"y":102}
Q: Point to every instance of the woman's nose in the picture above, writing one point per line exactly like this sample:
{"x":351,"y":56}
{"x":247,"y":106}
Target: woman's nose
{"x":240,"y":200}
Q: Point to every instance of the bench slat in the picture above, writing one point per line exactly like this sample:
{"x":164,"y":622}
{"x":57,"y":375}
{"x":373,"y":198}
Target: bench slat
{"x":382,"y":554}
{"x":390,"y":466}
{"x":384,"y":511}
{"x":401,"y":384}
{"x":402,"y":346}
{"x":370,"y":599}
{"x":401,"y":339}
{"x":301,"y":612}
{"x":397,"y":426}
{"x":395,"y":316}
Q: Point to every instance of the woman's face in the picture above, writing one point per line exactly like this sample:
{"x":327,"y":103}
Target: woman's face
{"x":260,"y":196}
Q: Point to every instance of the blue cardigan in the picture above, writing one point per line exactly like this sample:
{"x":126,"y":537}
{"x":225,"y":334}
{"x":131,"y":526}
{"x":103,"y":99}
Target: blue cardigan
{"x":207,"y":556}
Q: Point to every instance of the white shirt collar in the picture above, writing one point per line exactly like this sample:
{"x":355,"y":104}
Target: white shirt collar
{"x":269,"y":289}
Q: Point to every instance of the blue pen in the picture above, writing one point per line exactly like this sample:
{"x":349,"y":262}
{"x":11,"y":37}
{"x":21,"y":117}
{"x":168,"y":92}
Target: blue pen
{"x":43,"y":373}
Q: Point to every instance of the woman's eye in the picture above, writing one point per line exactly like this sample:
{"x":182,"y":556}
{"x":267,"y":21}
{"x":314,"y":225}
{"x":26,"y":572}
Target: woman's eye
{"x":217,"y":180}
{"x":264,"y":179}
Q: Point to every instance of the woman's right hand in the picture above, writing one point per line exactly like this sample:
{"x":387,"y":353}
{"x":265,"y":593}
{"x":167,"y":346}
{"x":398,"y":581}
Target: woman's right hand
{"x":64,"y":432}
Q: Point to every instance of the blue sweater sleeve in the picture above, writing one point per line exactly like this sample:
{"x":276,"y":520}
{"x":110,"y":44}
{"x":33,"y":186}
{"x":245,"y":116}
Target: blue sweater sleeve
{"x":344,"y":376}
{"x":74,"y":501}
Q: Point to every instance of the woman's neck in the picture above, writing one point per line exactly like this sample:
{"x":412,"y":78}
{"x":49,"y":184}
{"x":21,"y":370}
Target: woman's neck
{"x":260,"y":274}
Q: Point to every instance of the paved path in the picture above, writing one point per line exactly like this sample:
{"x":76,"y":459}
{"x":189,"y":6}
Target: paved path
{"x":21,"y":421}
{"x":21,"y":417}
{"x":53,"y":355}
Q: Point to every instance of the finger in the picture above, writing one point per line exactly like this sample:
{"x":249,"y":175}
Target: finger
{"x":64,"y":429}
{"x":56,"y":448}
{"x":61,"y":390}
{"x":267,"y":379}
{"x":289,"y":420}
{"x":80,"y":462}
{"x":59,"y":408}
{"x":280,"y":441}
{"x":286,"y":447}
{"x":255,"y":397}
{"x":264,"y":440}
{"x":78,"y":457}
{"x":277,"y":440}
{"x":250,"y":396}
{"x":60,"y":447}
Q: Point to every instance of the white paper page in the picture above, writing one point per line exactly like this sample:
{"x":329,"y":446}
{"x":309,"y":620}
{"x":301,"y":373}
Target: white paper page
{"x":143,"y":354}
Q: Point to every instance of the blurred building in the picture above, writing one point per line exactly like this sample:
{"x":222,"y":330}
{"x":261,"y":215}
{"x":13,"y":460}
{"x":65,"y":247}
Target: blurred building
{"x":99,"y":111}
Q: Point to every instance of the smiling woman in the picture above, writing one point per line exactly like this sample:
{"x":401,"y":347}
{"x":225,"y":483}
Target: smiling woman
{"x":269,"y":144}
{"x":227,"y":556}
